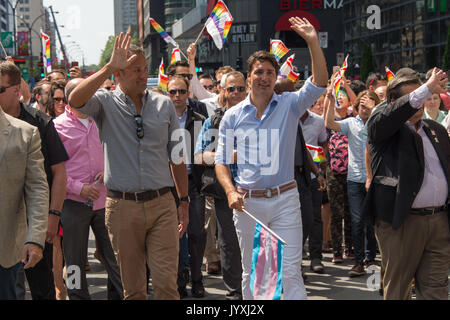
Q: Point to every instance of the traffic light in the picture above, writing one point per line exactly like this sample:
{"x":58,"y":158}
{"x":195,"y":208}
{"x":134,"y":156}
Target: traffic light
{"x":238,"y":63}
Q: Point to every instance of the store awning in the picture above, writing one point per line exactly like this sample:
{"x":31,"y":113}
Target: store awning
{"x":283,"y":23}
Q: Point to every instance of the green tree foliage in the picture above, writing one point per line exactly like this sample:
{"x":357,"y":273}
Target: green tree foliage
{"x":107,"y":51}
{"x":446,"y":58}
{"x":367,"y":65}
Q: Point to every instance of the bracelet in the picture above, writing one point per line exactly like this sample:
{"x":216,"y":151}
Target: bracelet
{"x":55,"y":212}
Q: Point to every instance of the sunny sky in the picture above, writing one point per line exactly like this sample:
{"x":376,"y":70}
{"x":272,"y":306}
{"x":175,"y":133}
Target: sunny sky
{"x":88,"y":22}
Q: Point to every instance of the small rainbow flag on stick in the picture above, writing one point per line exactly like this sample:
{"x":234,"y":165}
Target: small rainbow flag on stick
{"x":46,"y":52}
{"x":175,"y":55}
{"x":287,"y":70}
{"x":344,"y":67}
{"x":163,"y":33}
{"x":278,"y":49}
{"x":317,"y":153}
{"x":390,"y":75}
{"x":162,"y":78}
{"x":218,"y":24}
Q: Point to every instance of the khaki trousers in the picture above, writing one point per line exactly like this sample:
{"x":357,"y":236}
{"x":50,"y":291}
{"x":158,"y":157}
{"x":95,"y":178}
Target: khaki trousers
{"x":212,"y":248}
{"x":145,"y":232}
{"x":420,"y":250}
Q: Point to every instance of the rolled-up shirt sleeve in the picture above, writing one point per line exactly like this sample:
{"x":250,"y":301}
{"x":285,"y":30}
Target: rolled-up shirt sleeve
{"x":198,"y":90}
{"x":418,"y":96}
{"x":225,"y":147}
{"x":306,"y":96}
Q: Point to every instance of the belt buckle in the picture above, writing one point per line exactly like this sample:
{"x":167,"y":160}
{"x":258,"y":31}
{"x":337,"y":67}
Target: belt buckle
{"x":268,"y":193}
{"x":136,"y":194}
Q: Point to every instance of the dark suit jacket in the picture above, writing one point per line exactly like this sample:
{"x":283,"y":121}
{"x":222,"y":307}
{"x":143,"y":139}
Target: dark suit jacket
{"x":198,"y":107}
{"x":398,"y":160}
{"x":301,"y":155}
{"x":192,"y":117}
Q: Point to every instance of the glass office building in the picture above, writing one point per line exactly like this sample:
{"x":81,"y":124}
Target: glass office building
{"x":412,"y":34}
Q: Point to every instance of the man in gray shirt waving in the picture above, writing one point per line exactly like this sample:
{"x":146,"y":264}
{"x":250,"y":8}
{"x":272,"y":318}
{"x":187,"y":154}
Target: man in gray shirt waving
{"x":135,"y":128}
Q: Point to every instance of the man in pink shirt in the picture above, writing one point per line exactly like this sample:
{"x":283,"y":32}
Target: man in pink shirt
{"x":84,"y":205}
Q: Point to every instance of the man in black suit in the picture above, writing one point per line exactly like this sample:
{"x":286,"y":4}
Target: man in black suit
{"x":407,"y":199}
{"x":181,"y":68}
{"x":192,"y":249}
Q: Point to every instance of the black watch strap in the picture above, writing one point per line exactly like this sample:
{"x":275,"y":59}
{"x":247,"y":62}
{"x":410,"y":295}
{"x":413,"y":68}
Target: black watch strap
{"x":55,"y":212}
{"x":185,"y":199}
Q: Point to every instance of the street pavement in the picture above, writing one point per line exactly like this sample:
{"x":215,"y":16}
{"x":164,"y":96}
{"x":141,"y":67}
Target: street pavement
{"x":334,"y":284}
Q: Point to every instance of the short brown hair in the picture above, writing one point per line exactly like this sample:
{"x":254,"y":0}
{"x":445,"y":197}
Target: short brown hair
{"x":134,"y":49}
{"x":372,"y":95}
{"x":38,"y":88}
{"x":393,"y":89}
{"x":262,"y":56}
{"x":179,"y":78}
{"x":172,"y":68}
{"x":56,"y":71}
{"x":235,"y":74}
{"x":224,"y":70}
{"x":13,"y":72}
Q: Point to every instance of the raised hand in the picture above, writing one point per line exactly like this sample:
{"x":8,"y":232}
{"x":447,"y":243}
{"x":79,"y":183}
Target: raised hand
{"x":192,"y":52}
{"x":304,"y":29}
{"x":119,"y":60}
{"x":436,"y":83}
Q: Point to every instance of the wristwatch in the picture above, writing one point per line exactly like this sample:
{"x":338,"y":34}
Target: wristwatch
{"x":187,"y":199}
{"x":55,"y":212}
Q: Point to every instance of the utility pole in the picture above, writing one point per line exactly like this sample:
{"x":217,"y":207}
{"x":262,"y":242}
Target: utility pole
{"x":66,"y":62}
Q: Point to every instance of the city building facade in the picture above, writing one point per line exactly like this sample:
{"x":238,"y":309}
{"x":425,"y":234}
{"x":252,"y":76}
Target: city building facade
{"x":125,"y":15}
{"x":412,"y":33}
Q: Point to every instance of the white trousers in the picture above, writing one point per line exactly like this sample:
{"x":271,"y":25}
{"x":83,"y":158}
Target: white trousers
{"x":282,"y":215}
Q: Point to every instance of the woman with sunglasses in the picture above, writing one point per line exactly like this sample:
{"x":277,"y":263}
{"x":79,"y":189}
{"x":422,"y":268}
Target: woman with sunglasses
{"x":57,"y":102}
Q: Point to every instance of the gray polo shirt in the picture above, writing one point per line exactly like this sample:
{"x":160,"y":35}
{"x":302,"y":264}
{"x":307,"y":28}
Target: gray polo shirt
{"x":133,"y":164}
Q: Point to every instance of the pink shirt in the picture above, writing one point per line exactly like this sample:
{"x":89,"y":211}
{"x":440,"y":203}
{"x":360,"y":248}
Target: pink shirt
{"x":85,"y":156}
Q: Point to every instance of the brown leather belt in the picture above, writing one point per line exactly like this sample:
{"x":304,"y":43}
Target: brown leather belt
{"x":267,"y":193}
{"x":138,"y":196}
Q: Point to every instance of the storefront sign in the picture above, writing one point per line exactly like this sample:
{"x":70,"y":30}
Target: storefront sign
{"x":287,"y":5}
{"x":243,"y":32}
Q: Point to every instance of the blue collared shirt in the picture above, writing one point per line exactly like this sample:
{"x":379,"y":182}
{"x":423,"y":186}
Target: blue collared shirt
{"x":204,"y":141}
{"x":353,"y":128}
{"x":265,"y":146}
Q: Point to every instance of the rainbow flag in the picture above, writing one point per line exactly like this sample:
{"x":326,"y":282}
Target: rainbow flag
{"x":278,"y":49}
{"x":344,"y":67}
{"x":317,"y":153}
{"x":162,"y":78}
{"x":293,"y":76}
{"x":336,"y":87}
{"x":46,"y":52}
{"x":163,"y":33}
{"x":266,"y":278}
{"x":219,"y":24}
{"x":390,"y":75}
{"x":175,"y":55}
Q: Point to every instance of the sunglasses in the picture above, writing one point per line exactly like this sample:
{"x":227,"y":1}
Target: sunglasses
{"x":140,"y":126}
{"x":180,"y":91}
{"x":211,"y":87}
{"x":3,"y":89}
{"x":186,"y":75}
{"x":240,"y":89}
{"x":59,"y":99}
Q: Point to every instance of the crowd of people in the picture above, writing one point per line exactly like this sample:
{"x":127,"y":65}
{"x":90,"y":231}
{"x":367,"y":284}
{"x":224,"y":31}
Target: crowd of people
{"x":163,"y":178}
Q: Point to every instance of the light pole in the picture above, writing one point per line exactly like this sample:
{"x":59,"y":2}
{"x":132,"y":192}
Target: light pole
{"x":14,"y":22}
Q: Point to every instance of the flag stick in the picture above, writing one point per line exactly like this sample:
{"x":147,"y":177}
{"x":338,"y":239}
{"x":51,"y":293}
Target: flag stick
{"x":4,"y":49}
{"x":200,"y":34}
{"x":184,"y":55}
{"x":265,"y":227}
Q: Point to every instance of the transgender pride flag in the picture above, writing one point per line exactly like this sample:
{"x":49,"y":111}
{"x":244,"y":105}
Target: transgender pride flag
{"x":267,"y":265}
